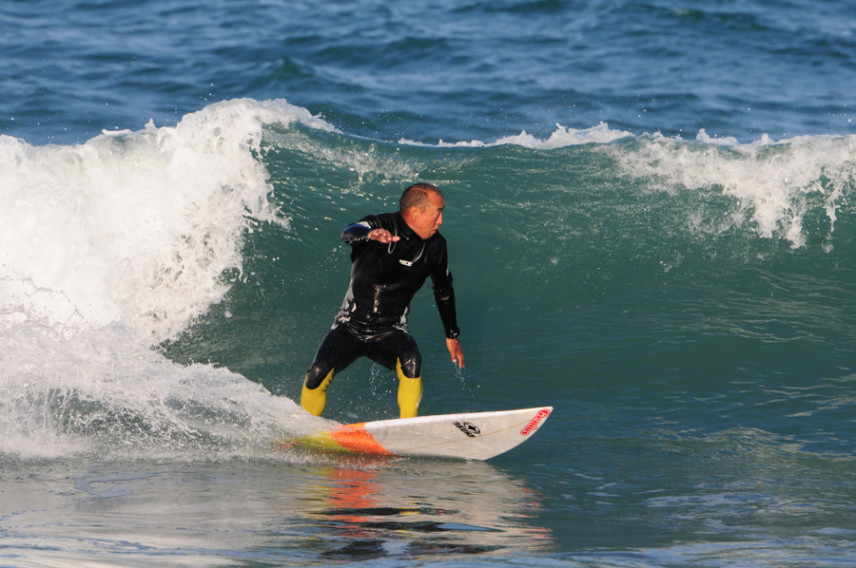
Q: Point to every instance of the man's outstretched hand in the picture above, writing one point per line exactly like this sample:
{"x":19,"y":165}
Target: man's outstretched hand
{"x":383,"y":236}
{"x":455,"y":350}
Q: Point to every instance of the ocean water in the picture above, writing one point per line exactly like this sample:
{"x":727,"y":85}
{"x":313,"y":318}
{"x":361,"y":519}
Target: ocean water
{"x":651,"y":218}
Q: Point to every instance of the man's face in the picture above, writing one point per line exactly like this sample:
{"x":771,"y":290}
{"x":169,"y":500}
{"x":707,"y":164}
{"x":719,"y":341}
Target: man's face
{"x":425,"y":222}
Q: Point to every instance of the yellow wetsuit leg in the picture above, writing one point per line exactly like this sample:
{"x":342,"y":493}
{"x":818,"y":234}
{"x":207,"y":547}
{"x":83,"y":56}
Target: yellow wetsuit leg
{"x":409,"y":393}
{"x":315,"y":400}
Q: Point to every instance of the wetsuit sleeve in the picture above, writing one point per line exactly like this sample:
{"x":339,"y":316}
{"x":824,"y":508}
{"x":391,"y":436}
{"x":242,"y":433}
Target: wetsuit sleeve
{"x":444,"y":295}
{"x":357,"y":232}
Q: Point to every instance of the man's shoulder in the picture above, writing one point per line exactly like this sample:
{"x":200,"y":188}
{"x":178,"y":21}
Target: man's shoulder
{"x":378,"y":220}
{"x":436,"y":246}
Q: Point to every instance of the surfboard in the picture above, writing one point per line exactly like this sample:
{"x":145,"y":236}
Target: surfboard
{"x":472,"y":435}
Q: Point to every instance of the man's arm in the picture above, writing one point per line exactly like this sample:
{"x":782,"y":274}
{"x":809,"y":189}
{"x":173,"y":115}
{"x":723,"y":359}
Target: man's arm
{"x":444,"y":296}
{"x":445,"y":299}
{"x":363,"y":231}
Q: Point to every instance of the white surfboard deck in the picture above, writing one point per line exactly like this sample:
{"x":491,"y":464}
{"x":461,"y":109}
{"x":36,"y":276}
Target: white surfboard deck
{"x":468,"y":435}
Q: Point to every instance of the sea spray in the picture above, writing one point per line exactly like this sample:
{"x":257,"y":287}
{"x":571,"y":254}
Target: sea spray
{"x":103,"y":392}
{"x":773,"y":185}
{"x":110,"y":248}
{"x":135,"y":227}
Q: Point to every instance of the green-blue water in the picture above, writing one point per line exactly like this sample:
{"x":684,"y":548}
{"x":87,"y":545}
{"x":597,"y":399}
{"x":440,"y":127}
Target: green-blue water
{"x":684,"y":301}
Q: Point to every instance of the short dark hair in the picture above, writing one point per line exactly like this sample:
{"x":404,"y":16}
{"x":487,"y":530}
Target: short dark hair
{"x":417,"y":196}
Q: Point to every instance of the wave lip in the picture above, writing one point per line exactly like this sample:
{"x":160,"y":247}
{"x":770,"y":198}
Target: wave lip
{"x":112,"y":247}
{"x":135,"y":227}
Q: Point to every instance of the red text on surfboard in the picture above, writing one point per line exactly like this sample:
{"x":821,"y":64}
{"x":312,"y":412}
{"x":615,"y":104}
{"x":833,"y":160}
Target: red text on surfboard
{"x":533,"y":424}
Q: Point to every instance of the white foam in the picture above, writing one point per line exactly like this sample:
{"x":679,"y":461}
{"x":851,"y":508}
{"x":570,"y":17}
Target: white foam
{"x":772,"y":182}
{"x":134,"y":227}
{"x":560,"y":138}
{"x":111,"y":247}
{"x":103,"y":391}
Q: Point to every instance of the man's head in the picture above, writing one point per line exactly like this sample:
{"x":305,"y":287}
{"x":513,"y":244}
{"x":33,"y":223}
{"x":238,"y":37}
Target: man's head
{"x":422,"y":205}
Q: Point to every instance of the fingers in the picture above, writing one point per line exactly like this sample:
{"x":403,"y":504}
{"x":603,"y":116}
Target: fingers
{"x":456,"y":352}
{"x":383,"y":236}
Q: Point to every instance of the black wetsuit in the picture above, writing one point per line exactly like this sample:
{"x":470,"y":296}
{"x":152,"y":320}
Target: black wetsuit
{"x":372,"y":321}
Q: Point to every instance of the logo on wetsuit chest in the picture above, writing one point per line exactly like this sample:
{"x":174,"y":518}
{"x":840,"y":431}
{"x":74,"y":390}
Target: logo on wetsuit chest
{"x":412,"y":261}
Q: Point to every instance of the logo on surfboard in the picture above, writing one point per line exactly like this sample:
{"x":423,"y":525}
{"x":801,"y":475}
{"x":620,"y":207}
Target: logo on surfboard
{"x":533,"y":424}
{"x":469,"y":429}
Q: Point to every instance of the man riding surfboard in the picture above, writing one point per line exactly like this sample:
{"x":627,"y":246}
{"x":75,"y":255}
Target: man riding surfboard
{"x":392,"y":254}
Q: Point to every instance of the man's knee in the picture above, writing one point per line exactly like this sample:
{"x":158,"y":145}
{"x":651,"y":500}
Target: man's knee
{"x":316,"y":375}
{"x":411,"y":364}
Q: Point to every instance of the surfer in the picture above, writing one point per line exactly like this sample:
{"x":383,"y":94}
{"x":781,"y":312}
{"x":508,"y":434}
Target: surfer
{"x":392,"y":254}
